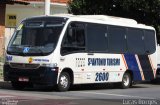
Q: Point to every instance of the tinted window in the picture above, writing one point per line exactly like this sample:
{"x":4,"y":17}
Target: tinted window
{"x":117,"y":40}
{"x":37,"y":36}
{"x":74,"y":39}
{"x":135,"y":41}
{"x":96,"y":38}
{"x":150,"y":42}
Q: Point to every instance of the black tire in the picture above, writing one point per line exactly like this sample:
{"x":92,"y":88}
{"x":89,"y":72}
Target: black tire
{"x":126,"y":81}
{"x":18,"y":85}
{"x":64,"y":82}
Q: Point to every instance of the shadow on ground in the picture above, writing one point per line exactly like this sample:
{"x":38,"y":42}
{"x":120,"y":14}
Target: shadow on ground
{"x":7,"y":86}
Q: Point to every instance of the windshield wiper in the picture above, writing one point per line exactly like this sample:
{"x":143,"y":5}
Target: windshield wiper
{"x":17,"y":53}
{"x":22,"y":53}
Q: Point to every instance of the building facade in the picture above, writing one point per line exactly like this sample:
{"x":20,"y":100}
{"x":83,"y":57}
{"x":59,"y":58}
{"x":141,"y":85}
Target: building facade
{"x":16,"y":13}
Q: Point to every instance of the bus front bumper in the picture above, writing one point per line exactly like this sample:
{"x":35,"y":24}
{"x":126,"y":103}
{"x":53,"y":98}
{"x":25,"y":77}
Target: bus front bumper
{"x":43,"y":75}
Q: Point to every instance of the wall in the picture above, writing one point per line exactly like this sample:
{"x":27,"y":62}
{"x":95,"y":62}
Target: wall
{"x":2,"y":27}
{"x":22,"y":11}
{"x":8,"y":34}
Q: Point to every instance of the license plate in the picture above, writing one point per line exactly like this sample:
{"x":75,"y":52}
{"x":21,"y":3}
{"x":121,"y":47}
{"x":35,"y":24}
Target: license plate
{"x":23,"y":79}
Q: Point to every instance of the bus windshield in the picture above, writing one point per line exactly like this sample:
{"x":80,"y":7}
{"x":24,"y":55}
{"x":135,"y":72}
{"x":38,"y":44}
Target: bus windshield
{"x":35,"y":38}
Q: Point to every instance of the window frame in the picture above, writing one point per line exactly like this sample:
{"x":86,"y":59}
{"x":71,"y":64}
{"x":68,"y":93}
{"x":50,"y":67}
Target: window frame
{"x":154,"y":42}
{"x":125,"y":38}
{"x":65,"y":36}
{"x":127,"y":35}
{"x":105,"y":36}
{"x":126,"y":29}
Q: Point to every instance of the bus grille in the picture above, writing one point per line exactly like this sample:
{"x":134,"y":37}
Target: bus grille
{"x":24,"y":66}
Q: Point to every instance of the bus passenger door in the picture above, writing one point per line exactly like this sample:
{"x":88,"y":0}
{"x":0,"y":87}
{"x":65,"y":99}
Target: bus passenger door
{"x":73,"y":50}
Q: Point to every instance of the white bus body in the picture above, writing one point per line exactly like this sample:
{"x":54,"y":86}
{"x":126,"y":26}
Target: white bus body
{"x":85,"y":49}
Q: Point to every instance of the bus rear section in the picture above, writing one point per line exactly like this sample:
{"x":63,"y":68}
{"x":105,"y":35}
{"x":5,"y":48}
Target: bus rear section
{"x":157,"y":79}
{"x":109,"y":53}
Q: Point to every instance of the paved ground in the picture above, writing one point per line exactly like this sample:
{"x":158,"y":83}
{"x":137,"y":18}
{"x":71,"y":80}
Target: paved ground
{"x":140,"y":94}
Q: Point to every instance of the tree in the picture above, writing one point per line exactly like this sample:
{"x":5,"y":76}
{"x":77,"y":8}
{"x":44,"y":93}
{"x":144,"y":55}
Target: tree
{"x":143,"y":11}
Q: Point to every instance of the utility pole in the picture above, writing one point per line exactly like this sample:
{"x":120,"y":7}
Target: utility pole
{"x":47,"y":7}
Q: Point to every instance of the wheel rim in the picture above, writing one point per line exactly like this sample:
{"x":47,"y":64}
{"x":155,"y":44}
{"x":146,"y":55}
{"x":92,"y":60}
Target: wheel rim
{"x":126,"y":80}
{"x":64,"y":81}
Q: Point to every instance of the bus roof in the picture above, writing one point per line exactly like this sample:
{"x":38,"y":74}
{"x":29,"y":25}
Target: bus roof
{"x":102,"y":19}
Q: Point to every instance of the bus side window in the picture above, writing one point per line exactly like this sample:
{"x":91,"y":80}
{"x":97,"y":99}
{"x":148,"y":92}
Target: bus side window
{"x":97,"y":38}
{"x":74,"y":39}
{"x":135,"y":41}
{"x":149,"y":38}
{"x":117,"y":40}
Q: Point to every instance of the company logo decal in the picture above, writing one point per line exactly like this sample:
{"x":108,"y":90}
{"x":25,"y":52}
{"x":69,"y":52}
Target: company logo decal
{"x":103,"y":61}
{"x":30,"y":60}
{"x":26,"y":50}
{"x":41,"y":60}
{"x":9,"y":58}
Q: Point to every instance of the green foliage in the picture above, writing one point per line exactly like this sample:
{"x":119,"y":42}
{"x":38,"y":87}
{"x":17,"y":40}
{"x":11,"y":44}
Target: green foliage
{"x":144,"y":11}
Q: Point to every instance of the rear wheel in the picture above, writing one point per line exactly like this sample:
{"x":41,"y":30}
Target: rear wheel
{"x":126,"y":81}
{"x":64,"y":82}
{"x":18,"y":85}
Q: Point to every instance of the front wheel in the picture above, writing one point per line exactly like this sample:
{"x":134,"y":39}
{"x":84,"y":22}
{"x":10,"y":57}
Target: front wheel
{"x":126,"y":81}
{"x":64,"y":82}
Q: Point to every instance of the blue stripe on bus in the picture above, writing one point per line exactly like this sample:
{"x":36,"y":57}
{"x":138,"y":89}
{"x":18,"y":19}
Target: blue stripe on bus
{"x":133,"y":65}
{"x":146,"y":67}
